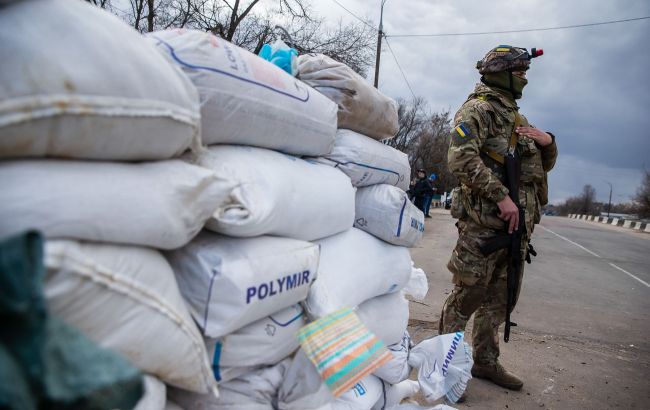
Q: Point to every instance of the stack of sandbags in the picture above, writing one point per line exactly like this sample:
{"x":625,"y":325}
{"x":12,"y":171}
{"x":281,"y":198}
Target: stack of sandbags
{"x":244,"y":276}
{"x":77,"y":103}
{"x":349,"y":273}
{"x":379,"y":171}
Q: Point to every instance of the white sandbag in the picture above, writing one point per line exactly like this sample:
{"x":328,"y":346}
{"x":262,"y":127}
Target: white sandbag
{"x":444,"y":366}
{"x":159,"y":204}
{"x":71,"y":90}
{"x":393,"y":395}
{"x":279,"y":195}
{"x":302,"y":387}
{"x":354,"y":267}
{"x":155,"y":395}
{"x":368,"y":162}
{"x":362,"y":396}
{"x":247,"y":100}
{"x":386,"y":316}
{"x":361,"y":107}
{"x":398,"y":369}
{"x":386,"y":212}
{"x":418,"y":285}
{"x":126,"y":299}
{"x":171,"y":405}
{"x":254,"y":391}
{"x":264,"y":342}
{"x":229,"y":283}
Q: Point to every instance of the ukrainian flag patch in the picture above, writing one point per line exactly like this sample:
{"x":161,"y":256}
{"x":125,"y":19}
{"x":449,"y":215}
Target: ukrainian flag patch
{"x":461,"y":130}
{"x":461,"y":134}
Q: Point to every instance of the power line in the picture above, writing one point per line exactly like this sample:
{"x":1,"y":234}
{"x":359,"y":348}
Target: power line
{"x":400,"y":67}
{"x":354,"y":15}
{"x":522,"y":30}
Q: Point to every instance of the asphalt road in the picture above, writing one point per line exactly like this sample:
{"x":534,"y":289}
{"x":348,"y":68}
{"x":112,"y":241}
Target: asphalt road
{"x":583,"y":340}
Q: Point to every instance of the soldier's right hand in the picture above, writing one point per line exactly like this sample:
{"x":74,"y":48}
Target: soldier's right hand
{"x":509,"y":212}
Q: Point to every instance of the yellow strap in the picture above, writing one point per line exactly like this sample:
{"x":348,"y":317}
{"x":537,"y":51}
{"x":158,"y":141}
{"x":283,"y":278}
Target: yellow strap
{"x":514,"y":138}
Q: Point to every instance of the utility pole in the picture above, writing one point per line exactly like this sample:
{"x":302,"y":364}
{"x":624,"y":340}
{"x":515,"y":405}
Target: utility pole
{"x":380,"y":33}
{"x":609,"y":206}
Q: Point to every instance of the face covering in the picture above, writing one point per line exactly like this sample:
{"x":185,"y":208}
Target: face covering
{"x":502,"y":80}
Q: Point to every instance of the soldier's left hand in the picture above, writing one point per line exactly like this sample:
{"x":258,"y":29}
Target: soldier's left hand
{"x":537,"y":135}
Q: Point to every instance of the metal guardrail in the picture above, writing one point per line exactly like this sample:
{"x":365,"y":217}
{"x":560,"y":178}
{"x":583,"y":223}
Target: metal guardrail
{"x":625,"y":223}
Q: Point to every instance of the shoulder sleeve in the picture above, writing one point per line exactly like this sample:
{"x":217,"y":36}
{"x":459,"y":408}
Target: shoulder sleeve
{"x":468,"y":134}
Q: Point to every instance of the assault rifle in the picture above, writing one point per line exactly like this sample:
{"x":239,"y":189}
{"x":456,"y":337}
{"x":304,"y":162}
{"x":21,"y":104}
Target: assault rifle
{"x":512,"y":242}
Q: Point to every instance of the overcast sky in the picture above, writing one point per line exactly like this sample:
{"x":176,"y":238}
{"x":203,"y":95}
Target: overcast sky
{"x":591,"y":88}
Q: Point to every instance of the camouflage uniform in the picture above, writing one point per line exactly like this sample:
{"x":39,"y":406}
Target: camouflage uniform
{"x":484,"y":123}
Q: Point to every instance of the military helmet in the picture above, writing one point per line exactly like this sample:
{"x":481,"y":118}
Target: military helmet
{"x":507,"y":58}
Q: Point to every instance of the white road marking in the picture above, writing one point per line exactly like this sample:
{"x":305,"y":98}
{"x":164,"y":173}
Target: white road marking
{"x":628,"y":273}
{"x":570,"y":241}
{"x":596,"y":255}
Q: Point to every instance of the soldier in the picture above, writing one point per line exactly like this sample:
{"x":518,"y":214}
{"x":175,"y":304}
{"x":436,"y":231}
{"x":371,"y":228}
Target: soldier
{"x":486,"y":128}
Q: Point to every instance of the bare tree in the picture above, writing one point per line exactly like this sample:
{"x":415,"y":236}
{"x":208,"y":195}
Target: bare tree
{"x":643,"y":196}
{"x":587,"y":200}
{"x":412,"y":117}
{"x":248,"y":25}
{"x":424,"y":137}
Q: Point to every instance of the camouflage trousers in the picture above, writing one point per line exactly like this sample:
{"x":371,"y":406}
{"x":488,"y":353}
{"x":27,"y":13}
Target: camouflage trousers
{"x":480,"y":289}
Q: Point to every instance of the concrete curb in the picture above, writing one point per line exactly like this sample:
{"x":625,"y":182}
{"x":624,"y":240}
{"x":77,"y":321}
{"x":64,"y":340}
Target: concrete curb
{"x":625,"y":223}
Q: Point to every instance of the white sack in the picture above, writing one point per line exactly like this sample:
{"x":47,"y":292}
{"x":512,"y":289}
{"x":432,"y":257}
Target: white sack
{"x":386,"y":316}
{"x":279,"y":195}
{"x":159,"y":204}
{"x":74,"y":91}
{"x":292,"y":384}
{"x":155,"y":395}
{"x":362,"y":396}
{"x":361,"y":107}
{"x":302,"y":387}
{"x":444,"y":366}
{"x":265,"y":342}
{"x":126,"y":299}
{"x":398,"y":369}
{"x":386,"y":212}
{"x":354,"y":267}
{"x":393,"y":395}
{"x":253,"y":391}
{"x":170,"y":405}
{"x":418,"y":285}
{"x":231,"y":282}
{"x":247,"y":100}
{"x":368,"y":162}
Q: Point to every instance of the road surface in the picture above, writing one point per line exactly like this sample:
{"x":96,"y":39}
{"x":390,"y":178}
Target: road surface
{"x":583,"y":340}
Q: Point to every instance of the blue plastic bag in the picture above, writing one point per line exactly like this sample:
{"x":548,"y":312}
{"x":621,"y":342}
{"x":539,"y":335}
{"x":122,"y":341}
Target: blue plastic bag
{"x":281,"y":55}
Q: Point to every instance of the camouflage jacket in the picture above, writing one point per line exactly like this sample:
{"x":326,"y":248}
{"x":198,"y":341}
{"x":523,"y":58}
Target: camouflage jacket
{"x":485,"y":123}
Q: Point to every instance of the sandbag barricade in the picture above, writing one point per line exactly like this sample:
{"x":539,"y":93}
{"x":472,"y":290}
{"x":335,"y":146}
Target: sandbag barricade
{"x":71,"y":90}
{"x":398,"y":369}
{"x":126,"y":299}
{"x":361,"y":107}
{"x":229,"y":283}
{"x":354,"y":267}
{"x":246,"y":99}
{"x":160,"y":204}
{"x":262,"y":343}
{"x":278,"y":194}
{"x":368,"y":162}
{"x":386,"y":212}
{"x":386,"y":316}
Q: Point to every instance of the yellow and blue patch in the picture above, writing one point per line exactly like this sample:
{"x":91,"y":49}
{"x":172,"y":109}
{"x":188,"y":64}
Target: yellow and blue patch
{"x":461,"y":134}
{"x":503,"y":48}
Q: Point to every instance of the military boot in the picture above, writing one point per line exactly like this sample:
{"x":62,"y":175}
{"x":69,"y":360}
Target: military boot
{"x":498,"y":375}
